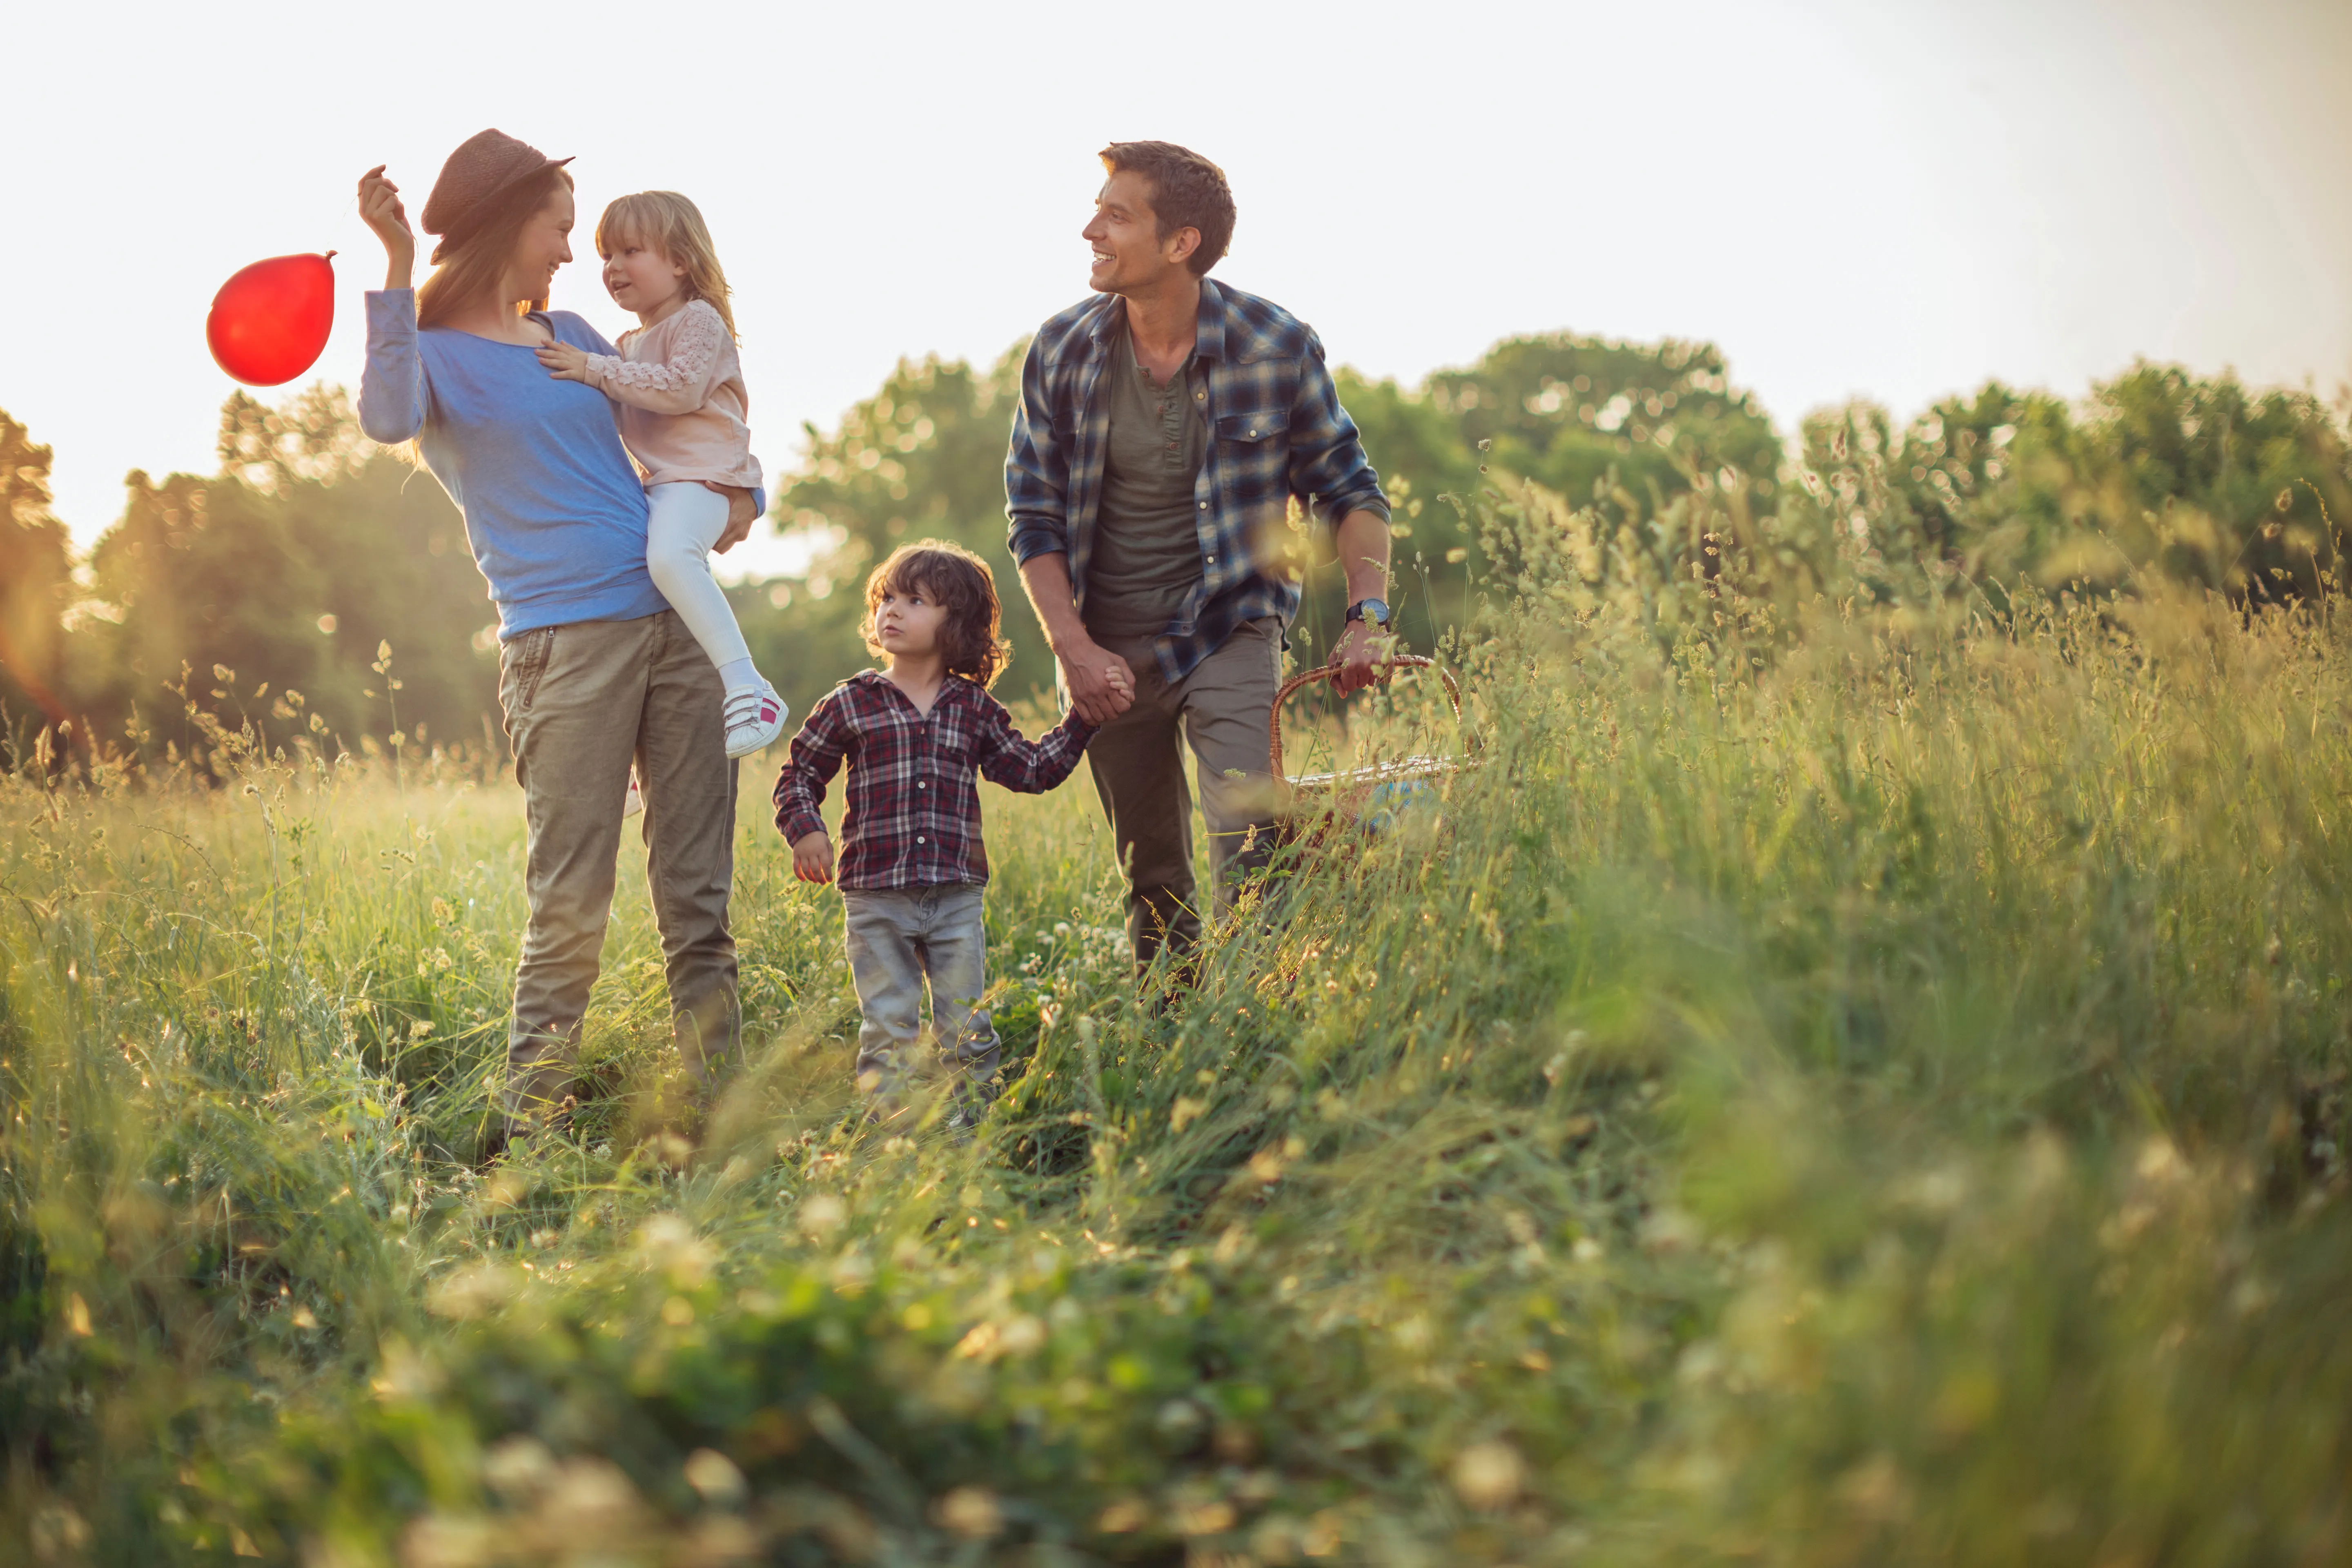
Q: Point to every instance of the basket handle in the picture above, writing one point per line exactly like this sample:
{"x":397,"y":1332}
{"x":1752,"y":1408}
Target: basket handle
{"x":1380,"y":672}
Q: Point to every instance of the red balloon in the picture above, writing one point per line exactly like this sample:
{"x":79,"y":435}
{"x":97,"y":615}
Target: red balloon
{"x":269,"y":322}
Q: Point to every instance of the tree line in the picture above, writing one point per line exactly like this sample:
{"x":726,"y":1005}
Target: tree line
{"x":319,"y":587}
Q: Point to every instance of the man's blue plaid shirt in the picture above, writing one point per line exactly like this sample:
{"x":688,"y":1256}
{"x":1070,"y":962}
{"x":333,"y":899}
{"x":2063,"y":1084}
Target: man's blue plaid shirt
{"x":1277,"y":431}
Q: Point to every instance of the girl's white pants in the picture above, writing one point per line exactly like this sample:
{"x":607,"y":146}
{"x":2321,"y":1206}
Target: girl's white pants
{"x":685,"y":520}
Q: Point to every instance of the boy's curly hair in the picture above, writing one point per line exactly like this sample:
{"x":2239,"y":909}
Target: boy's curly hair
{"x":952,"y":575}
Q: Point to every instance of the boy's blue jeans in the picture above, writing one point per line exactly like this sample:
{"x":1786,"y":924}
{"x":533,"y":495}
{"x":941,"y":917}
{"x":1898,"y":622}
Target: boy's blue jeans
{"x":899,"y":937}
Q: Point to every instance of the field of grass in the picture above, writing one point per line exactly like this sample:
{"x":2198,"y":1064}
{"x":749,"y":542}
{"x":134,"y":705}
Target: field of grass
{"x":1875,"y":1093}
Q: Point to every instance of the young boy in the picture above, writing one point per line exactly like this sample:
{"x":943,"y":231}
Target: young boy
{"x":912,"y":863}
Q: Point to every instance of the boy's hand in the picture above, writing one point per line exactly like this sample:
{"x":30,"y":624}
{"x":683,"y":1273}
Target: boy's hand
{"x":813,"y":858}
{"x":563,"y":361}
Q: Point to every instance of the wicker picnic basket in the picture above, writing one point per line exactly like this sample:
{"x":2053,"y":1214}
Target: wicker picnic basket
{"x":1365,"y":796}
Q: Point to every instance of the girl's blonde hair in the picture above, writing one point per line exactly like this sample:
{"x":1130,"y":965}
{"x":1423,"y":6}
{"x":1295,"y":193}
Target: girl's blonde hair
{"x":674,"y":225}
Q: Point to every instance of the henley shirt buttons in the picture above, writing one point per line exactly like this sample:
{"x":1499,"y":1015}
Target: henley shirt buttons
{"x":919,"y":838}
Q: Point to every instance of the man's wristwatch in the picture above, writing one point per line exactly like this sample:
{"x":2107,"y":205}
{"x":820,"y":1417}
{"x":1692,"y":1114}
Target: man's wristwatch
{"x":1374,"y":611}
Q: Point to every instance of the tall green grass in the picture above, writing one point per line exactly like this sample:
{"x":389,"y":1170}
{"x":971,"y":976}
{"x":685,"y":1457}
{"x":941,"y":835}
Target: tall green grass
{"x":1846,"y":1084}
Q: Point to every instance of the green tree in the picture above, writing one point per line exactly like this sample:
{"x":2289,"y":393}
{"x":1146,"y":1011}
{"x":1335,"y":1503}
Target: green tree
{"x":289,"y":569}
{"x":2211,"y":482}
{"x":1627,"y":429}
{"x":1626,"y":426}
{"x":35,"y":581}
{"x":2203,"y":480}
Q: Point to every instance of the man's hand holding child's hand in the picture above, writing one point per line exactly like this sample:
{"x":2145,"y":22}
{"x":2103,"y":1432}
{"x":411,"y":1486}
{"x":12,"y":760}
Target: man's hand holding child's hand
{"x":563,"y":361}
{"x":813,"y":858}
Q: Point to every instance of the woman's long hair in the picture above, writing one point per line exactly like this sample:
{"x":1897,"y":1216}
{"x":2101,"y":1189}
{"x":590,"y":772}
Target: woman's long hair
{"x":673,"y":225}
{"x":466,"y":273}
{"x":969,"y":636}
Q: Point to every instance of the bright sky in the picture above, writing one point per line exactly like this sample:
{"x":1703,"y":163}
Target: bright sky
{"x":1849,"y":196}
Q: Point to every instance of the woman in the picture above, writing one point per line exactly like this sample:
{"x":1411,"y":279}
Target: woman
{"x":594,"y":669}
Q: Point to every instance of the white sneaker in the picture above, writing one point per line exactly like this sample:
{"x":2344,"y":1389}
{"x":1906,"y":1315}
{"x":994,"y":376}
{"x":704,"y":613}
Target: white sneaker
{"x":635,"y":801}
{"x":755,"y":716}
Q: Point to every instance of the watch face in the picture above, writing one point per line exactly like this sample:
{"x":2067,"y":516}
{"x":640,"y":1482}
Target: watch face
{"x":1373,"y":610}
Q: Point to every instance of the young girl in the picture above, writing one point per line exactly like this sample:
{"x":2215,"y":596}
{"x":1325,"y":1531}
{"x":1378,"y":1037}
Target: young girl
{"x":912,"y":863}
{"x":679,"y":390}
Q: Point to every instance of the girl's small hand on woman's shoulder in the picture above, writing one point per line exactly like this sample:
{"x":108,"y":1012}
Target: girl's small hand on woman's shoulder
{"x":563,"y":361}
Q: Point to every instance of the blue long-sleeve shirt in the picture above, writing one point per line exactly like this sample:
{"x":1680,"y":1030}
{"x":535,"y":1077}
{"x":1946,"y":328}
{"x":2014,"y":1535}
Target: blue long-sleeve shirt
{"x":554,"y":513}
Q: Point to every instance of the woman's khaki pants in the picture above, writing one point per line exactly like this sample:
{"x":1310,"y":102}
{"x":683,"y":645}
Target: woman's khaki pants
{"x":583,"y":701}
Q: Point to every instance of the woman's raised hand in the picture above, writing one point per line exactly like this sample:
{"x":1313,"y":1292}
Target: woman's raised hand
{"x":381,"y":210}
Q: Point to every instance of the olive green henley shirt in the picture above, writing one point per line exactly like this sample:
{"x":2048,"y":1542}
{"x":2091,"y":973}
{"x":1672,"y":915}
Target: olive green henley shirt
{"x":1147,"y":551}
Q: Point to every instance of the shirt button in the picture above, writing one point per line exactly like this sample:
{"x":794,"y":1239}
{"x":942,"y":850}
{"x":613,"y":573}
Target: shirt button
{"x":1204,"y":506}
{"x":921,"y":784}
{"x":919,"y":838}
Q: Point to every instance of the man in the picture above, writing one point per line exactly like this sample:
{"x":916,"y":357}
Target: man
{"x":1165,"y":425}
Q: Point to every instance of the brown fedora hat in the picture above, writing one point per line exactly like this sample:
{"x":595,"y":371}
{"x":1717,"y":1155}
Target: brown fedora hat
{"x":482,"y":167}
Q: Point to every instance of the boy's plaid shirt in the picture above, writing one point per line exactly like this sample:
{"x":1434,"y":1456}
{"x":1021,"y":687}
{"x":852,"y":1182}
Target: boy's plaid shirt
{"x":913,"y":813}
{"x":1277,"y":431}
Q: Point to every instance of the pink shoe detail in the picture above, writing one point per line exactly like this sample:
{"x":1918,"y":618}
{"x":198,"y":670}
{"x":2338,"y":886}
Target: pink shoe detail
{"x":755,"y":716}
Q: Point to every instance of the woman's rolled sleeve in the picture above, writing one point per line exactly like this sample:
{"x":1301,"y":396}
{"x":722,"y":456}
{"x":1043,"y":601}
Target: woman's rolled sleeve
{"x":1328,"y":468}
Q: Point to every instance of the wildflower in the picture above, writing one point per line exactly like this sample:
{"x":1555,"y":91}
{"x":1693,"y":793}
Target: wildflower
{"x":715,"y":1477}
{"x":1123,"y":1517}
{"x":971,"y":1511}
{"x":1488,"y":1475}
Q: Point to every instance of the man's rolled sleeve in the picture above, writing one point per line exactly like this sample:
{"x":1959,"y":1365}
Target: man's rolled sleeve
{"x":1327,"y":464}
{"x":1036,"y":472}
